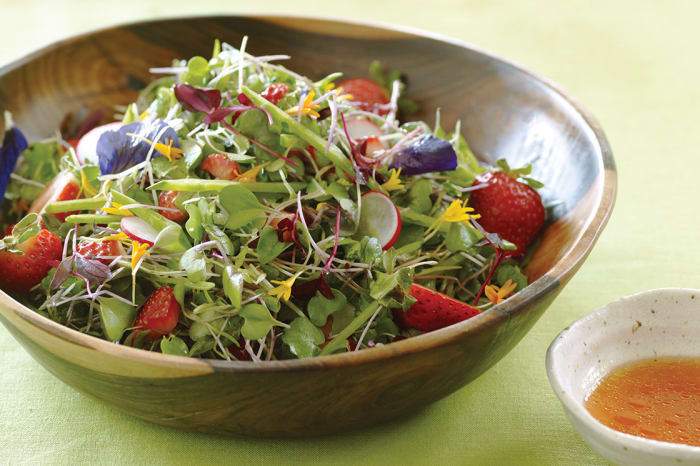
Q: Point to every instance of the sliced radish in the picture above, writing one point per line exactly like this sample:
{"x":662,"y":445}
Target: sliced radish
{"x":139,"y":230}
{"x":86,"y":149}
{"x":372,"y":147}
{"x":63,"y":188}
{"x":380,"y":218}
{"x":361,"y":128}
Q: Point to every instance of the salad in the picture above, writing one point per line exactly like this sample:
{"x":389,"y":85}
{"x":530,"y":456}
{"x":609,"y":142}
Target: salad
{"x":239,"y":210}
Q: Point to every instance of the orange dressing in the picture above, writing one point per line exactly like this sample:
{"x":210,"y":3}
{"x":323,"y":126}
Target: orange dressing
{"x":656,"y":398}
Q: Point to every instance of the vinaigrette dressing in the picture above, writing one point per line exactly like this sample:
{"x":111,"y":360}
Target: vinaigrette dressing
{"x":657,"y":398}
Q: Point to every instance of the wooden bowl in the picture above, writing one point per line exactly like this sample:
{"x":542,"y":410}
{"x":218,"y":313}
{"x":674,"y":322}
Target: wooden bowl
{"x":505,"y":112}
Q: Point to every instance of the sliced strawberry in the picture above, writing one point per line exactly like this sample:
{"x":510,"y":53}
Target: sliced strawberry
{"x":159,"y":314}
{"x":508,"y":207}
{"x":275,"y":92}
{"x":221,"y":167}
{"x":64,"y":187}
{"x":368,"y":94}
{"x":104,"y":251}
{"x":167,"y":199}
{"x":21,"y":272}
{"x":433,"y":310}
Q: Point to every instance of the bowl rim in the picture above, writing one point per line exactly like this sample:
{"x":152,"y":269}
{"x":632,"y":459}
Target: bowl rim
{"x":556,"y":275}
{"x":576,"y":408}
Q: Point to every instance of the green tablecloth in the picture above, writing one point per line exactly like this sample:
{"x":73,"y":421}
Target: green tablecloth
{"x":632,"y":63}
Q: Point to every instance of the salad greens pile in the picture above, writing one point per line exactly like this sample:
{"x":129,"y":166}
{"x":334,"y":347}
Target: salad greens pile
{"x":309,"y":248}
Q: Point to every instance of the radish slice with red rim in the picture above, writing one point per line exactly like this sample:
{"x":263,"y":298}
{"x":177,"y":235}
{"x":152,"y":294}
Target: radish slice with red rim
{"x":361,"y":128}
{"x":380,"y":218}
{"x":139,"y":230}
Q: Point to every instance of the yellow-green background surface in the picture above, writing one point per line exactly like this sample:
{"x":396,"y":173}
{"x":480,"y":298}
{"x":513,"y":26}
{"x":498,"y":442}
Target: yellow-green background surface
{"x":634,"y":64}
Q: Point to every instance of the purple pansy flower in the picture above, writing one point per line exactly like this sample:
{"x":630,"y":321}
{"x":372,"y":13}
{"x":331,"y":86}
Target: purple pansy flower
{"x":129,"y":145}
{"x":427,"y":154}
{"x":13,"y":145}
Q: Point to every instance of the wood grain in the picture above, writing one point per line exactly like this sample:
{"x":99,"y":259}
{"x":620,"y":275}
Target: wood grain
{"x":505,"y":112}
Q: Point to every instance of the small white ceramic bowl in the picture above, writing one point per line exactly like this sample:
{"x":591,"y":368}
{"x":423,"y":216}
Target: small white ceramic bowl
{"x":663,"y":322}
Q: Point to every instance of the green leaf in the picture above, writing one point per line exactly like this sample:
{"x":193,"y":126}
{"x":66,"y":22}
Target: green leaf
{"x":303,"y":338}
{"x":533,"y":183}
{"x":242,"y":206}
{"x":269,"y":246}
{"x":384,"y":284}
{"x":197,"y":70}
{"x":233,"y":285}
{"x":174,"y":346}
{"x":419,"y":196}
{"x":461,"y":237}
{"x":116,"y":316}
{"x":510,"y":271}
{"x":193,"y":262}
{"x":320,"y":307}
{"x":193,"y":225}
{"x":258,"y":321}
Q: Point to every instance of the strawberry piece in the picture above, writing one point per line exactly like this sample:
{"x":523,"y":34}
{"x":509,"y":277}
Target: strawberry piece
{"x":509,"y":208}
{"x":433,"y":310}
{"x":19,"y":273}
{"x":104,"y":251}
{"x":221,"y":167}
{"x":64,"y":187}
{"x":167,"y":199}
{"x":275,"y":92}
{"x":368,"y":94}
{"x":159,"y":314}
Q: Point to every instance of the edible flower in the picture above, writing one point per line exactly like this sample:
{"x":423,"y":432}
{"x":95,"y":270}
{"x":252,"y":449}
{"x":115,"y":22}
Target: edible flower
{"x":308,"y":107}
{"x":250,"y":175}
{"x":394,"y":182}
{"x":13,"y":145}
{"x":339,"y":96}
{"x":284,"y":290}
{"x":458,"y":212}
{"x":426,"y":155}
{"x":115,"y":237}
{"x":138,"y":250}
{"x":129,"y":145}
{"x":116,"y":209}
{"x":497,"y":294}
{"x":171,"y":153}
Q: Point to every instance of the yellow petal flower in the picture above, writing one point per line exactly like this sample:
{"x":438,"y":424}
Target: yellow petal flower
{"x":394,"y":182}
{"x":115,"y":237}
{"x":456,"y":212}
{"x":138,"y":250}
{"x":116,"y":209}
{"x":250,"y":175}
{"x":284,"y":290}
{"x":308,"y":107}
{"x":171,"y":153}
{"x":329,"y":86}
{"x":497,"y":294}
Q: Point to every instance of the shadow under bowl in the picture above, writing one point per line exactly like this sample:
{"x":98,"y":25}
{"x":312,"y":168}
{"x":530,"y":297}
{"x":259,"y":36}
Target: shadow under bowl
{"x":505,"y":112}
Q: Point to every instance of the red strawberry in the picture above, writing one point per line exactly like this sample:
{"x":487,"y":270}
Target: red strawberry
{"x":509,"y":208}
{"x":433,"y":310}
{"x":275,"y":92}
{"x":63,"y":188}
{"x":221,"y":167}
{"x":367,"y":93}
{"x":167,"y":199}
{"x":159,"y":314}
{"x":102,"y":250}
{"x":21,"y":272}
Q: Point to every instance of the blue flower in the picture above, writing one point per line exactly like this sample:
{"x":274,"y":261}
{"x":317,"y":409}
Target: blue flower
{"x":129,"y":145}
{"x":427,"y":154}
{"x":13,"y":145}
